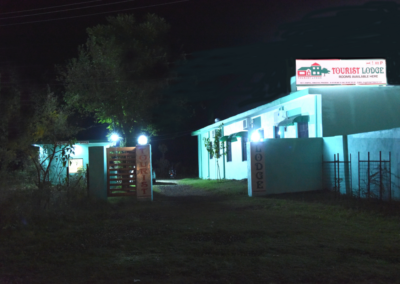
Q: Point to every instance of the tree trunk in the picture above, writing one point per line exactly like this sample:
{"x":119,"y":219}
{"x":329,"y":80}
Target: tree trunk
{"x":130,"y":138}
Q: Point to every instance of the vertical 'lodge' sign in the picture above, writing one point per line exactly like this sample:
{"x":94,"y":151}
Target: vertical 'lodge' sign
{"x":257,"y":153}
{"x":144,"y":187}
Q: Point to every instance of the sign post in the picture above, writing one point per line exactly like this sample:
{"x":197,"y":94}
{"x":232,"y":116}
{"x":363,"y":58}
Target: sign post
{"x":256,"y":181}
{"x":144,"y":185}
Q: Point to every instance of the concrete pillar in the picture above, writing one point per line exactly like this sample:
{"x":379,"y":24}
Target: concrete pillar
{"x":346,"y":164}
{"x":97,"y":172}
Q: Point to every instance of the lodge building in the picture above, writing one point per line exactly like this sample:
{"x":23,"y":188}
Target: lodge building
{"x":328,"y":121}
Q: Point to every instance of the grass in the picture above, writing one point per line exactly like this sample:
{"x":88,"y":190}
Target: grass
{"x":226,"y":237}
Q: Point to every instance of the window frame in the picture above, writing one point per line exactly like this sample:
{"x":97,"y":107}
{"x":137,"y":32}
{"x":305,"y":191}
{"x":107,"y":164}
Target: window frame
{"x":300,"y":124}
{"x":77,"y":168}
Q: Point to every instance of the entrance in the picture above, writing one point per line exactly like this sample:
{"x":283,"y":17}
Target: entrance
{"x":121,"y":171}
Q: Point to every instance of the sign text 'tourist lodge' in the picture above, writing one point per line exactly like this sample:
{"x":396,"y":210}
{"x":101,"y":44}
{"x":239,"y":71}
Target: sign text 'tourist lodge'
{"x":341,"y":72}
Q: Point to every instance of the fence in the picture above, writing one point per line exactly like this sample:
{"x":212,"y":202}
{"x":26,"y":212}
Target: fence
{"x":337,"y":175}
{"x":374,"y":178}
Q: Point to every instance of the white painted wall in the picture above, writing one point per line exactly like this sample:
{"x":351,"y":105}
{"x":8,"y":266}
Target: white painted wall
{"x":57,"y":172}
{"x":236,"y":169}
{"x":333,"y":112}
{"x":350,"y":110}
{"x":293,"y":165}
{"x":385,"y":141}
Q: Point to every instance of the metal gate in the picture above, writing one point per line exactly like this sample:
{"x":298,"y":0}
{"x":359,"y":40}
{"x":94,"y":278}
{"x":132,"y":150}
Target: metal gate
{"x":375,"y":178}
{"x":337,"y":175}
{"x":121,"y":171}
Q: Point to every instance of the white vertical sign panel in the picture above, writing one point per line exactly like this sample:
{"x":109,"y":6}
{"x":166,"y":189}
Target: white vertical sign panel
{"x":257,"y":160}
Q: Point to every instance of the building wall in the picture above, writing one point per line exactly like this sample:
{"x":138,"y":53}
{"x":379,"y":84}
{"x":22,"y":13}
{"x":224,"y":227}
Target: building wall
{"x":204,"y":160}
{"x":236,"y":169}
{"x":293,"y":165}
{"x":306,"y":105}
{"x":337,"y":114}
{"x":58,"y":173}
{"x":333,"y":146}
{"x":350,"y":110}
{"x":385,"y":141}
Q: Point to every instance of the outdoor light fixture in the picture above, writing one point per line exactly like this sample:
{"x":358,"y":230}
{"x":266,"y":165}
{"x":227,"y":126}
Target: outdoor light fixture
{"x":114,"y":137}
{"x":255,"y":136}
{"x":142,"y":140}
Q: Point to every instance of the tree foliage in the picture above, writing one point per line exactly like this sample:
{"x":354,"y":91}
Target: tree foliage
{"x":27,"y":118}
{"x":49,"y":126}
{"x":9,"y":110}
{"x":119,"y":72}
{"x":216,"y":148}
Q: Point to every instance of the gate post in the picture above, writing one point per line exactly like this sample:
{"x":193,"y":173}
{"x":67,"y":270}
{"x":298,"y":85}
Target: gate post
{"x":144,"y":173}
{"x":97,"y":172}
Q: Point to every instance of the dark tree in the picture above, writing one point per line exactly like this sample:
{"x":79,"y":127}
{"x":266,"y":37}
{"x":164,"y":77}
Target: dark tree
{"x":119,"y":74}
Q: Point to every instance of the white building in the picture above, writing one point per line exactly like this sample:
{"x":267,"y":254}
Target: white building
{"x":347,"y":120}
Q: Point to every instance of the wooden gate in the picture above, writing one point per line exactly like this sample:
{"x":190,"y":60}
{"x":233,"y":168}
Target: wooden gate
{"x":121,"y":171}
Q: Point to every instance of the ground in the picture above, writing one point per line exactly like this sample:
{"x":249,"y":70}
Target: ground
{"x":203,"y":231}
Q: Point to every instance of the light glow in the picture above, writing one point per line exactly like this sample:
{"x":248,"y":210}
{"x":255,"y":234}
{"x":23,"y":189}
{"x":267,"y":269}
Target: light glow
{"x":77,"y":150}
{"x":142,"y":140}
{"x":255,"y":136}
{"x":114,"y":137}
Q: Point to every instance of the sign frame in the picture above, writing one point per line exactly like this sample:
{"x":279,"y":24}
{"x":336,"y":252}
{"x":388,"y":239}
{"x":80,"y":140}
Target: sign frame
{"x":340,"y":72}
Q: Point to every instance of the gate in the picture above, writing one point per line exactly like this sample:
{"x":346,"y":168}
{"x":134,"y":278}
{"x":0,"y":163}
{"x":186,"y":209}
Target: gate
{"x":337,"y":175}
{"x":374,"y":178}
{"x":121,"y":171}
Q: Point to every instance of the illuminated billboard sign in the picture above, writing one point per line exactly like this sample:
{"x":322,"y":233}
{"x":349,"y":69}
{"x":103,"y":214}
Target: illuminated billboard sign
{"x":313,"y":72}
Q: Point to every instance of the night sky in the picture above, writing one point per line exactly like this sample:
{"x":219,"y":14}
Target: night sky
{"x":242,"y":52}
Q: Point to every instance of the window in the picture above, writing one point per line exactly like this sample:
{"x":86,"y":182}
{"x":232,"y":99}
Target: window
{"x":211,"y":152}
{"x":256,"y":122}
{"x":244,"y":149}
{"x":302,"y":129}
{"x":228,"y":151}
{"x":75,"y":165}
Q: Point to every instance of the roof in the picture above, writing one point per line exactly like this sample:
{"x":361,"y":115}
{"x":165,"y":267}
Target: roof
{"x":315,"y":64}
{"x":304,"y":68}
{"x":77,"y":142}
{"x":276,"y":104}
{"x":253,"y":112}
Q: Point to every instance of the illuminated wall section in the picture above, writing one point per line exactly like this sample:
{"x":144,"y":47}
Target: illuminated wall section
{"x":236,"y":169}
{"x":349,"y":110}
{"x":58,"y":173}
{"x":385,"y":141}
{"x":299,"y":103}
